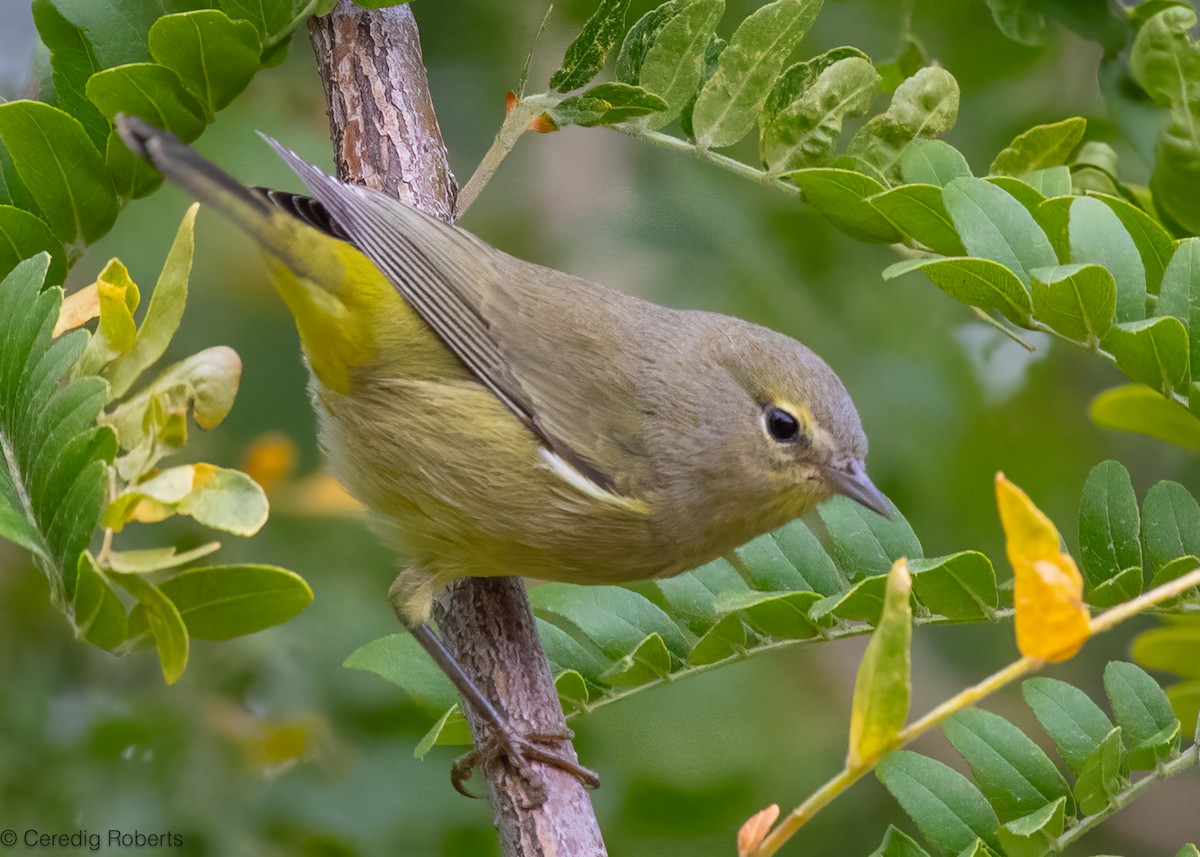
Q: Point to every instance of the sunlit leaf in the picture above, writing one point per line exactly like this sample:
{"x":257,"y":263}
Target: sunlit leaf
{"x":729,"y":101}
{"x":1051,"y":620}
{"x":1040,"y":147}
{"x":1138,"y":408}
{"x":586,"y":55}
{"x":882,"y":687}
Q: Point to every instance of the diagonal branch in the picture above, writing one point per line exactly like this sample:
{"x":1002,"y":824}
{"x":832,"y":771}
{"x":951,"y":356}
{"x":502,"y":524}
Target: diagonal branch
{"x":386,"y":136}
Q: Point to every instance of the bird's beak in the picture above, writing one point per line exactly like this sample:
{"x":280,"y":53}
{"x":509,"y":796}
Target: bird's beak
{"x":851,"y":481}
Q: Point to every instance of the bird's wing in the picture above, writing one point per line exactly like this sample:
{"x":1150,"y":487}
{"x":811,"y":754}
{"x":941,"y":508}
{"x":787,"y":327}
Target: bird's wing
{"x":462,"y":288}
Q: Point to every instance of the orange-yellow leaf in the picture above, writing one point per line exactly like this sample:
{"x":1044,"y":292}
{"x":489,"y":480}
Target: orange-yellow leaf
{"x":1051,"y":619}
{"x":755,"y":829}
{"x":543,"y":124}
{"x":78,"y":308}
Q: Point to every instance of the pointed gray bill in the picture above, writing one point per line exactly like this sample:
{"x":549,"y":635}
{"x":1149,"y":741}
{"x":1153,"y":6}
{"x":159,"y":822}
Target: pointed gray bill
{"x":851,"y":480}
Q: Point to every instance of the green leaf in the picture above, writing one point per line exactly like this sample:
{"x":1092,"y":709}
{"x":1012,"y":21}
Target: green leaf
{"x":862,"y":543}
{"x":933,"y":162}
{"x":214,"y":56}
{"x":1137,"y":408}
{"x":155,"y":559}
{"x":97,"y":612}
{"x":805,"y":132}
{"x":1173,"y":649}
{"x":221,"y":602}
{"x":1174,"y":570}
{"x":1035,"y":834}
{"x":917,"y":210}
{"x":649,"y":661}
{"x":1014,"y":774}
{"x":792,"y":83}
{"x":1051,"y":181}
{"x":399,"y":658}
{"x":691,"y":597}
{"x":1144,"y":714}
{"x":1098,"y":236}
{"x":61,"y":168}
{"x":1119,"y":588}
{"x":74,"y":62}
{"x":1078,"y":301}
{"x":1153,"y":351}
{"x":950,"y":812}
{"x":1166,"y":63}
{"x":271,"y":17}
{"x":726,"y":639}
{"x":616,"y":620}
{"x":1180,"y":294}
{"x":1040,"y":147}
{"x":163,"y":313}
{"x":151,"y":91}
{"x":1153,"y":241}
{"x":217,"y":497}
{"x":585,"y":56}
{"x":1022,"y":192}
{"x":1020,"y":20}
{"x":24,"y":235}
{"x":606,"y":104}
{"x":993,"y":225}
{"x":152,"y":424}
{"x":897,"y":843}
{"x":960,"y":586}
{"x":791,"y":558}
{"x":1170,"y":524}
{"x":641,"y":38}
{"x":52,"y":455}
{"x":729,"y":101}
{"x":673,"y":65}
{"x":983,"y":283}
{"x":782,"y":616}
{"x":1188,"y":851}
{"x":923,"y":106}
{"x":165,"y":623}
{"x":116,"y":30}
{"x":883,"y":686}
{"x":1100,"y":777}
{"x":841,"y":197}
{"x":1076,"y":724}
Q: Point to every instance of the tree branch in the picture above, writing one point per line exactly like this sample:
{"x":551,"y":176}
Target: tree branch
{"x":386,"y":136}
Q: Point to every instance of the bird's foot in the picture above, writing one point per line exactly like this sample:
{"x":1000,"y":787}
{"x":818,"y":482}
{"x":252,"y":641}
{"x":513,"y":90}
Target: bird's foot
{"x":518,"y":751}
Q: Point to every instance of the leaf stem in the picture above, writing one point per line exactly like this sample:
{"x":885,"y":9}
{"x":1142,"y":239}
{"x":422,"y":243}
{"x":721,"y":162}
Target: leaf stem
{"x":1107,"y":620}
{"x":515,"y":124}
{"x":1131,"y":793}
{"x":666,"y":141}
{"x":278,"y":37}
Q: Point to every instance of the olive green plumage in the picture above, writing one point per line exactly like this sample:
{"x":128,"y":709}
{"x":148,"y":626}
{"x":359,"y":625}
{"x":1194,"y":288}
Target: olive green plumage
{"x":498,"y":417}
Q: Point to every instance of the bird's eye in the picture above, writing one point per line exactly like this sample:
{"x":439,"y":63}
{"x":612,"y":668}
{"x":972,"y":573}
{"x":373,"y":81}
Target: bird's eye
{"x":781,"y":425}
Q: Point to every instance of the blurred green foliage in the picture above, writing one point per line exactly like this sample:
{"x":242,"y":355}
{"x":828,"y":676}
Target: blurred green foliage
{"x":268,"y":746}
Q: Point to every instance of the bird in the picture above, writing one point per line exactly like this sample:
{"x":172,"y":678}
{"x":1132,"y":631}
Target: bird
{"x":495,"y":416}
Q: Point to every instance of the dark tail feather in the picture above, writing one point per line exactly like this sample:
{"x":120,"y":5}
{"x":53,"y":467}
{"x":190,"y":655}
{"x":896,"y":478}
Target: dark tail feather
{"x":201,"y":178}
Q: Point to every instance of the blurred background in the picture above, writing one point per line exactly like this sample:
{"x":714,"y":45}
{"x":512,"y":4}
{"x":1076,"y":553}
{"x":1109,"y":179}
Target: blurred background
{"x":269,"y":746}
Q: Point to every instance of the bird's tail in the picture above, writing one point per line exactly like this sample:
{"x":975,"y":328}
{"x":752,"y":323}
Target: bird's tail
{"x":204,"y":181}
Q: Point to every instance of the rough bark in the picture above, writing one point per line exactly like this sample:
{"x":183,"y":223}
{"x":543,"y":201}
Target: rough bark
{"x":386,"y":136}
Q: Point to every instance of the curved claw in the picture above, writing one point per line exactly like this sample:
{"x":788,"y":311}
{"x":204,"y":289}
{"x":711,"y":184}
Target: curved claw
{"x":518,"y":751}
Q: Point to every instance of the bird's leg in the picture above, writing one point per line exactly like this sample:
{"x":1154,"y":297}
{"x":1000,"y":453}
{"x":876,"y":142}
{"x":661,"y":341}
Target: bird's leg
{"x":503,"y":740}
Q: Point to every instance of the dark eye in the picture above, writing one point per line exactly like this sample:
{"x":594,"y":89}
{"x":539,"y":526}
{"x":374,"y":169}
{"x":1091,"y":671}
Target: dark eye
{"x":781,"y":425}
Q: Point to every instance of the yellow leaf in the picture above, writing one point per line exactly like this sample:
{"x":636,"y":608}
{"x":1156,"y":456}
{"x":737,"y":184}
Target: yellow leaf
{"x":883,"y":687}
{"x":78,"y":308}
{"x":1051,"y":619}
{"x":755,"y":829}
